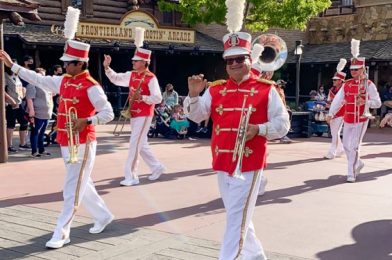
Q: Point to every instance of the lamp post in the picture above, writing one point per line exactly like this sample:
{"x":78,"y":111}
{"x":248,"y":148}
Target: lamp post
{"x":298,"y":54}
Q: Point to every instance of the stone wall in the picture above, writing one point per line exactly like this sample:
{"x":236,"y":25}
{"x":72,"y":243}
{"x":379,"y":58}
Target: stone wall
{"x":372,"y":20}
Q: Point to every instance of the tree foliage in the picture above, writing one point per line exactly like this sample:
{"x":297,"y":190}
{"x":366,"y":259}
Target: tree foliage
{"x":260,"y":15}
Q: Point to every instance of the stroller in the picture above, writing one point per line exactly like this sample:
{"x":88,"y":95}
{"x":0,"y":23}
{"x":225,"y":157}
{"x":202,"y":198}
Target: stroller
{"x":161,"y":124}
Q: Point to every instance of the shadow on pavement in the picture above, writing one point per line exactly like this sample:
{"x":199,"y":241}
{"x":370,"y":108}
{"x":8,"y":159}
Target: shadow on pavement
{"x":285,"y":164}
{"x":102,"y":188}
{"x":280,"y":196}
{"x":373,"y":240}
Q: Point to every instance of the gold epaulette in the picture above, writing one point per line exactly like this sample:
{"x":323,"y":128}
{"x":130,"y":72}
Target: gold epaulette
{"x":217,"y":82}
{"x":92,"y":80}
{"x":266,"y":81}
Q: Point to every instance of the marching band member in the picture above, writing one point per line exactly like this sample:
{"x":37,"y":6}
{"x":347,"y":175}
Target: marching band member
{"x":81,"y":93}
{"x":336,"y":148}
{"x":144,"y":93}
{"x":224,"y":101}
{"x":356,"y":94}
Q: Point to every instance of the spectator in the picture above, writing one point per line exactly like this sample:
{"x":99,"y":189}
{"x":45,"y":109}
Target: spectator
{"x":57,"y":71}
{"x":386,"y":97}
{"x":321,"y":96}
{"x":280,"y":85}
{"x":170,"y":96}
{"x":179,"y":122}
{"x":40,"y":105}
{"x":14,"y":110}
{"x":28,"y":63}
{"x":309,"y":105}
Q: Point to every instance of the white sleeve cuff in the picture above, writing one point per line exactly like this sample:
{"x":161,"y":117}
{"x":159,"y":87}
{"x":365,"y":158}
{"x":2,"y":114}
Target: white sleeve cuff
{"x":262,"y":130}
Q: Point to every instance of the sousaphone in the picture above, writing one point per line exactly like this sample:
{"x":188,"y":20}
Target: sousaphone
{"x":275,"y":51}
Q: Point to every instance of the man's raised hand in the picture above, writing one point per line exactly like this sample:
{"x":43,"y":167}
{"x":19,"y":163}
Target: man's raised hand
{"x":6,"y":58}
{"x":196,"y":85}
{"x":106,"y":62}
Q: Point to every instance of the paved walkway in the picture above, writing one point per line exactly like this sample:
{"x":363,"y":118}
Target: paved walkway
{"x":308,"y":211}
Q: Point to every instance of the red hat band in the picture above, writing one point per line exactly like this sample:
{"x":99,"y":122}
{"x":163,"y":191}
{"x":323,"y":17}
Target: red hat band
{"x":69,"y":50}
{"x":235,"y":41}
{"x":142,"y":55}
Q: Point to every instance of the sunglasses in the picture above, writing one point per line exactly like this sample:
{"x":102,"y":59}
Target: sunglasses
{"x":238,"y":60}
{"x":66,"y":63}
{"x":354,"y":69}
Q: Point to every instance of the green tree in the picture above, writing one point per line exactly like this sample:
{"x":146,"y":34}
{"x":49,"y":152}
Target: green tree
{"x":260,"y":15}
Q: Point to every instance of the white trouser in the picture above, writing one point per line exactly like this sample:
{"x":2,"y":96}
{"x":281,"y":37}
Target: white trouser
{"x":352,"y":139}
{"x":87,"y":194}
{"x":239,"y":198}
{"x":336,"y":147}
{"x":138,"y":144}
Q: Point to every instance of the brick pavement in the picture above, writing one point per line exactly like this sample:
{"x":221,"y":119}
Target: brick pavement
{"x":25,"y":229}
{"x":308,"y":210}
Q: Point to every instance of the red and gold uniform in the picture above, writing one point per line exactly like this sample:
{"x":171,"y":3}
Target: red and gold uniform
{"x":142,"y":112}
{"x":355,"y":124}
{"x":86,"y":96}
{"x":223,"y":100}
{"x":226,"y":113}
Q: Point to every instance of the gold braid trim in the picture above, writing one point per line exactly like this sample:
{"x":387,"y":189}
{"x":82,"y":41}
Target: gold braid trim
{"x":245,"y":213}
{"x":80,"y":178}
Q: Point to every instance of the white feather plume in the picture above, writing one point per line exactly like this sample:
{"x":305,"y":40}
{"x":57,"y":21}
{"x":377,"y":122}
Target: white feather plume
{"x":139,"y":36}
{"x":71,"y":22}
{"x":256,"y":52}
{"x":341,"y":65}
{"x":355,"y":48}
{"x":234,"y":15}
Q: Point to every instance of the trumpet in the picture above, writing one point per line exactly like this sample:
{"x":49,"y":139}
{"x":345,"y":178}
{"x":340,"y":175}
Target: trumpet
{"x":72,"y":135}
{"x":366,"y":111}
{"x":125,"y":113}
{"x":239,"y":148}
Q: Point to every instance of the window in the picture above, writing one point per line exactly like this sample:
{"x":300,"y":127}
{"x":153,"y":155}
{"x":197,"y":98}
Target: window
{"x":168,"y":18}
{"x":77,"y":4}
{"x":347,"y":2}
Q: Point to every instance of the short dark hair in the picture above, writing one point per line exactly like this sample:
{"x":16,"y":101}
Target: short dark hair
{"x":27,"y":57}
{"x":55,"y":67}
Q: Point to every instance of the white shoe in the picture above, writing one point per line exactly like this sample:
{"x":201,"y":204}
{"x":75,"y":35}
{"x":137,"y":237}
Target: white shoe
{"x":359,"y":168}
{"x":262,"y":187}
{"x":329,"y":156}
{"x":99,"y":227}
{"x":157,"y":173}
{"x":129,"y":182}
{"x":57,"y":243}
{"x":351,"y":179}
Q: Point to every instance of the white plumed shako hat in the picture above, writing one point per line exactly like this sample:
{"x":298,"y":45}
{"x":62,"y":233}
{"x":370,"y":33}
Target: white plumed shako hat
{"x":236,"y":42}
{"x":339,"y":74}
{"x":356,"y":62}
{"x":140,"y":53}
{"x":73,"y":50}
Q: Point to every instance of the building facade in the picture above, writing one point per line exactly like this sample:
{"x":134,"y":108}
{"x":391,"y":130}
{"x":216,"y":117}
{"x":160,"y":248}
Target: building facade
{"x":108,"y":25}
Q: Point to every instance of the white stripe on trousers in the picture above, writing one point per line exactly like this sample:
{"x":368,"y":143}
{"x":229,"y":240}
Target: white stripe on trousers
{"x":352,"y":139}
{"x":235,"y":193}
{"x":138,"y":144}
{"x":336,"y":145}
{"x":88,"y":195}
